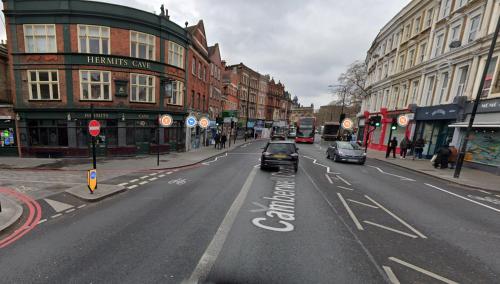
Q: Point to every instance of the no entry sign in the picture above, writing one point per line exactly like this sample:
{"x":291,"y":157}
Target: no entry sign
{"x":94,"y":128}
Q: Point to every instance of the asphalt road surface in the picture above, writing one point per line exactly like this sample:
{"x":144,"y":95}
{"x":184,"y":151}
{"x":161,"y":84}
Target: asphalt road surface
{"x":227,"y":221}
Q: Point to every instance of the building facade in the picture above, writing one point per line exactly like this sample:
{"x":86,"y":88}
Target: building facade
{"x":8,"y":140}
{"x":118,"y":62}
{"x":426,"y":63}
{"x":300,"y":111}
{"x":215,"y":92}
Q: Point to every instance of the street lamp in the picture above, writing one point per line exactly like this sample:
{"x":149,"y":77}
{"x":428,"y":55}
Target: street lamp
{"x":166,"y":91}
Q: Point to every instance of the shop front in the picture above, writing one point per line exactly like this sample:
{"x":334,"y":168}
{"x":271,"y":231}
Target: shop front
{"x":8,"y":139}
{"x":432,"y":124}
{"x":379,"y":137}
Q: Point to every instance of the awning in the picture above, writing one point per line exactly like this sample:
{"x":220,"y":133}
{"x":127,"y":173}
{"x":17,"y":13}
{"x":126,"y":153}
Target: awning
{"x":476,"y":125}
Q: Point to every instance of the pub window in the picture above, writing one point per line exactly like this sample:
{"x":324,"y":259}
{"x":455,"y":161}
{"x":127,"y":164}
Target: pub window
{"x":95,"y":85}
{"x":175,"y":54}
{"x":93,"y":39}
{"x":43,"y":84}
{"x":40,"y":38}
{"x":142,"y":88}
{"x":142,"y":45}
{"x":177,"y":93}
{"x":48,"y":132}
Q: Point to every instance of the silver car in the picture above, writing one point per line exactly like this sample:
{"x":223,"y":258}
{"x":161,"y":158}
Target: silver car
{"x":343,"y":151}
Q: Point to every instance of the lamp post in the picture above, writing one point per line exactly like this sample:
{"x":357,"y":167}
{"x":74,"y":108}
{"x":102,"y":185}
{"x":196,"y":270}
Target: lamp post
{"x":166,"y":91}
{"x":248,"y":103}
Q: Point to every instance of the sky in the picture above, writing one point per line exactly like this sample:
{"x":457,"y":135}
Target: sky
{"x":306,"y":44}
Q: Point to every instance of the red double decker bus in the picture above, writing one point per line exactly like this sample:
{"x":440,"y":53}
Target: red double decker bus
{"x":306,"y":129}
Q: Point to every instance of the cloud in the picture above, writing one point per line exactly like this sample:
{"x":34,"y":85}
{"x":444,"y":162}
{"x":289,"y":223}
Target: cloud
{"x":305,"y":44}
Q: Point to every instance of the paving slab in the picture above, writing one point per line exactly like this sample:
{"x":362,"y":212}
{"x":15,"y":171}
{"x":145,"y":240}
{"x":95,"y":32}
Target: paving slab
{"x":11,"y":212}
{"x":102,"y":191}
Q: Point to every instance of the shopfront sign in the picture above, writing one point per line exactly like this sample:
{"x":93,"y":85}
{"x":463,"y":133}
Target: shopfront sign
{"x":121,"y":88}
{"x":485,"y":106}
{"x":441,"y":112}
{"x":115,"y":61}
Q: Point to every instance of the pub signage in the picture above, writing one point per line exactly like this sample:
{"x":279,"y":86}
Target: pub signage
{"x":437,"y":112}
{"x":116,"y":61}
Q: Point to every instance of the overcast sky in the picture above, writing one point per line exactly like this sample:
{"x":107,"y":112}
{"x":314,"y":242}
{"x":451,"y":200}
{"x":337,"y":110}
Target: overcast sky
{"x":304,"y":43}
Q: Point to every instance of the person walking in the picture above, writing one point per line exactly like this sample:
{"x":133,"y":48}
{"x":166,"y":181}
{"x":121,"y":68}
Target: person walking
{"x":403,"y":147}
{"x":223,"y":140}
{"x":217,"y":140}
{"x":419,"y":148}
{"x":393,"y":144}
{"x":443,"y":154}
{"x":452,"y":160}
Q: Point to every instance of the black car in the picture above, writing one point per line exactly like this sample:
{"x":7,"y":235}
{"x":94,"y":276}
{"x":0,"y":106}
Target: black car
{"x":344,"y":151}
{"x":280,"y":153}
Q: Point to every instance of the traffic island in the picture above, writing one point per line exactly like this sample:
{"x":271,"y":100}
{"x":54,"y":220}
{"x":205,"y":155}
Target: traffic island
{"x":102,"y":191}
{"x":11,"y":212}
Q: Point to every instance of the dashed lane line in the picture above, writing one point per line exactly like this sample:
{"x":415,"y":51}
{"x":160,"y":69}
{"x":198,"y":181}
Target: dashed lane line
{"x":134,"y":180}
{"x":132,"y":186}
{"x":391,"y":275}
{"x":70,"y":210}
{"x":143,"y":177}
{"x":81,"y":206}
{"x":391,"y":229}
{"x":397,"y":218}
{"x":153,"y":174}
{"x":321,"y":165}
{"x":351,"y":214}
{"x":421,"y":270}
{"x":394,"y":175}
{"x":123,"y":184}
{"x":143,"y":182}
{"x":465,"y":198}
{"x":41,"y":221}
{"x":497,"y":195}
{"x":169,"y":173}
{"x":162,"y":175}
{"x":56,"y":215}
{"x":153,"y":179}
{"x":328,"y":178}
{"x":346,"y":188}
{"x":342,"y":179}
{"x":362,"y":203}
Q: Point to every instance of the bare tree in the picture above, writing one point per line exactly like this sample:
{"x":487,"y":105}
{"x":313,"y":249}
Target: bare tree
{"x":351,"y":85}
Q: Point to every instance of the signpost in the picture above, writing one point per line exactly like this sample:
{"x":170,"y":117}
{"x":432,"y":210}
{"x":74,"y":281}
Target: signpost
{"x":166,"y":120}
{"x":94,"y":130}
{"x":347,"y":124}
{"x":204,"y":122}
{"x":191,"y":121}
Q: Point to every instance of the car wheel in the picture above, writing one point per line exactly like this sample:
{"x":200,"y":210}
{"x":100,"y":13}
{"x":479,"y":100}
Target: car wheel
{"x":361,"y":163}
{"x":296,"y":167}
{"x":335,"y":158}
{"x":262,"y":167}
{"x":327,"y":155}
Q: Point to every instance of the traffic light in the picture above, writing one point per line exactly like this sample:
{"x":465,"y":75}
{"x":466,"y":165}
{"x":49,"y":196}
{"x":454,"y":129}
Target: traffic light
{"x":219,"y":120}
{"x":375,"y":121}
{"x":394,"y":124}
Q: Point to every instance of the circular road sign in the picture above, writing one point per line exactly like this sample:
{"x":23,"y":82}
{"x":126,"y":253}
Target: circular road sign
{"x":347,"y":124}
{"x":191,"y":121}
{"x":94,"y":128}
{"x":403,"y":120}
{"x":166,"y":120}
{"x":204,"y":122}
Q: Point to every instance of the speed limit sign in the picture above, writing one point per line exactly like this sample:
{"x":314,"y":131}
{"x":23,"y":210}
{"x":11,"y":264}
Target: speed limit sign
{"x":347,"y":124}
{"x":166,"y":120}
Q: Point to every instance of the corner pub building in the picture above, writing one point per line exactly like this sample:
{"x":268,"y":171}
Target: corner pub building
{"x":66,"y":55}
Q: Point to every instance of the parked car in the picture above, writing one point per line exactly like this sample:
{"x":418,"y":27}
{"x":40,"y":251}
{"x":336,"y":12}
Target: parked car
{"x":343,"y":151}
{"x":278,"y":133}
{"x":292,"y":134}
{"x":280,"y":153}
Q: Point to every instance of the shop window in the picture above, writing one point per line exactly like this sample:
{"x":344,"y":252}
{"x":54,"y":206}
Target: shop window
{"x":95,"y":85}
{"x":142,"y":45}
{"x":130,"y":139}
{"x":40,"y":38}
{"x":111,"y":132}
{"x":142,"y":88}
{"x":43,"y":84}
{"x":93,"y":39}
{"x":175,"y":54}
{"x":82,"y":134}
{"x":48,"y":133}
{"x":484,"y":147}
{"x":489,"y":78}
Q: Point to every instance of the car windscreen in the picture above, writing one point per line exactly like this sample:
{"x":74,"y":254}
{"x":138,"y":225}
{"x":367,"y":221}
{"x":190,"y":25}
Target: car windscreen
{"x":281,"y":148}
{"x":347,"y":146}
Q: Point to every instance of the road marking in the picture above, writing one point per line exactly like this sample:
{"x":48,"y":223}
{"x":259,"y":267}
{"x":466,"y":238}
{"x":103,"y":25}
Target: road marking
{"x":143,"y":182}
{"x":421,"y":270}
{"x":41,"y":221}
{"x":123,"y":184}
{"x":257,"y":166}
{"x":391,"y":275}
{"x":161,"y":176}
{"x":351,"y":214}
{"x":179,"y":181}
{"x":261,"y":208}
{"x":346,"y":182}
{"x":465,"y":198}
{"x":484,"y":191}
{"x":214,"y":160}
{"x":143,"y":177}
{"x":81,"y":206}
{"x":343,"y":187}
{"x":70,"y":210}
{"x":210,"y":255}
{"x":364,"y":204}
{"x":153,"y":174}
{"x":328,"y":178}
{"x":152,"y":179}
{"x":169,"y":173}
{"x":401,"y":177}
{"x":55,"y":216}
{"x":315,"y":162}
{"x":391,"y":229}
{"x":497,"y":195}
{"x":57,"y":205}
{"x":132,"y":186}
{"x":134,"y":180}
{"x":397,"y":218}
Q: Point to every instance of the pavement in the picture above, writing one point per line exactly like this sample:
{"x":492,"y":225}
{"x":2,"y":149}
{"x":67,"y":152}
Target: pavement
{"x":468,"y":177}
{"x":10,"y":211}
{"x":227,"y":221}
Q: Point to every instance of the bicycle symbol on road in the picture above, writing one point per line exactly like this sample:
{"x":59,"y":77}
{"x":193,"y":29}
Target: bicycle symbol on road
{"x":179,"y":181}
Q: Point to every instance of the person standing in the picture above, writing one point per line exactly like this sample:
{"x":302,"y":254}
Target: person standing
{"x":393,"y":144}
{"x":217,"y":140}
{"x":403,"y":147}
{"x":443,"y":154}
{"x":223,"y":140}
{"x":419,"y":148}
{"x":452,"y":160}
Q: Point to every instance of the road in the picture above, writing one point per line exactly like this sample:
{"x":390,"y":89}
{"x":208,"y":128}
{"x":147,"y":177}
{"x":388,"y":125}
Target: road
{"x":226,"y":221}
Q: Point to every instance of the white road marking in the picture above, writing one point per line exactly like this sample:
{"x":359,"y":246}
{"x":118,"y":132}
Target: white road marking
{"x":391,"y":229}
{"x":58,"y":206}
{"x":321,"y":165}
{"x":497,"y":195}
{"x":214,"y":160}
{"x":152,"y":179}
{"x":343,"y":187}
{"x":328,"y":178}
{"x":179,"y":181}
{"x":134,"y":180}
{"x":391,"y":275}
{"x":346,"y":182}
{"x":81,"y":206}
{"x":261,"y":208}
{"x":257,"y":166}
{"x":41,"y":221}
{"x":169,"y":173}
{"x":465,"y":198}
{"x":161,"y":176}
{"x":397,"y":218}
{"x":421,"y":270}
{"x":401,"y":177}
{"x":123,"y":184}
{"x":484,"y":191}
{"x":153,"y":174}
{"x":70,"y":210}
{"x":143,"y":177}
{"x":351,"y":214}
{"x":55,"y":216}
{"x":132,"y":186}
{"x":210,"y":255}
{"x":364,"y":204}
{"x":143,"y":182}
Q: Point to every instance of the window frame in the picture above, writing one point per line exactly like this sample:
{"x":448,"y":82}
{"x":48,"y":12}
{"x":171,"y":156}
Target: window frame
{"x":179,"y":54}
{"x":476,"y":14}
{"x":135,"y":39}
{"x":90,"y":83}
{"x":137,"y":85}
{"x":46,"y":35}
{"x":178,"y":93}
{"x":50,"y":83}
{"x":87,"y":37}
{"x":440,"y":33}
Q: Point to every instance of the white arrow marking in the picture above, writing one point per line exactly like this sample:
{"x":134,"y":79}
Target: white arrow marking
{"x":321,"y":165}
{"x":57,"y":205}
{"x":401,"y":177}
{"x":261,"y":209}
{"x":214,"y":160}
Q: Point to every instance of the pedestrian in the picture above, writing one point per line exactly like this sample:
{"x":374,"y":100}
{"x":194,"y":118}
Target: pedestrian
{"x":223,"y":140}
{"x":419,"y":148}
{"x":235,"y":133}
{"x":217,"y":140}
{"x":452,"y":160}
{"x":443,"y":154}
{"x":403,"y":147}
{"x":393,"y":144}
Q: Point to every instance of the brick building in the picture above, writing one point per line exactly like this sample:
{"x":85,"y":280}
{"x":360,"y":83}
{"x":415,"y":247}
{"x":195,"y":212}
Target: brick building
{"x":118,"y":60}
{"x":230,"y":82}
{"x":275,"y":96}
{"x":215,"y":101}
{"x":7,"y":118}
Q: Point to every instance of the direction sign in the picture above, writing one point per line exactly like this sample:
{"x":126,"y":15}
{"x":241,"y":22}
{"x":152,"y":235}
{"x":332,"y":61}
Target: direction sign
{"x":166,"y":120}
{"x":191,"y":121}
{"x":347,"y":124}
{"x":403,"y":120}
{"x":94,"y":128}
{"x":204,"y":122}
{"x":92,"y":180}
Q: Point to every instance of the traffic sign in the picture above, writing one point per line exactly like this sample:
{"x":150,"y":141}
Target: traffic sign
{"x":166,"y":120}
{"x":347,"y":124}
{"x":204,"y":122}
{"x":94,"y":128}
{"x":403,"y":120}
{"x":92,"y":180}
{"x":191,"y":121}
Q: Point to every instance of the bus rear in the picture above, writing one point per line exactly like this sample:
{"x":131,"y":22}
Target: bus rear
{"x":306,"y":127}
